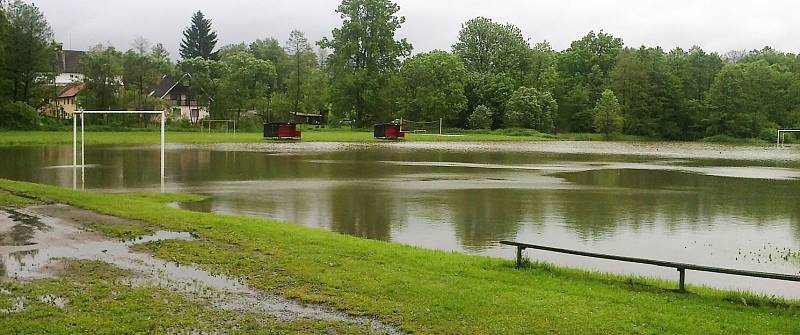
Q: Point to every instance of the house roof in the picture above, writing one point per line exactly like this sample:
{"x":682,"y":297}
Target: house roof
{"x":169,"y":84}
{"x":69,"y":61}
{"x":71,"y":90}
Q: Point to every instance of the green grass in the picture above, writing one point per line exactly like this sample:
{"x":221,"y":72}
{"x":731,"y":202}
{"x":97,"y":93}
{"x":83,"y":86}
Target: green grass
{"x":10,"y":200}
{"x":99,"y":301}
{"x":309,"y":135}
{"x":434,"y":292}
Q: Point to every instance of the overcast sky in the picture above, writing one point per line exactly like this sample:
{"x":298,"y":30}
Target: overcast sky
{"x":715,"y":25}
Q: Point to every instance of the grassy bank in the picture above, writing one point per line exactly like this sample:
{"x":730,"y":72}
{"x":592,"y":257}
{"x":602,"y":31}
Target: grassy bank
{"x":427,"y":291}
{"x":328,"y":135}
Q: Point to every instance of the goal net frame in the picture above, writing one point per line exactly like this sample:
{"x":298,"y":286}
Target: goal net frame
{"x":422,"y":131}
{"x":227,"y":123}
{"x":83,"y":136}
{"x":782,"y":135}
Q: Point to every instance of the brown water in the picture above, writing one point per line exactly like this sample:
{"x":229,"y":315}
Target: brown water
{"x":736,"y":207}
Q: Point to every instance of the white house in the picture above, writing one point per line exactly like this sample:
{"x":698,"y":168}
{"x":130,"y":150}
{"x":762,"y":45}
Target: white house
{"x":178,"y":93}
{"x":68,"y":64}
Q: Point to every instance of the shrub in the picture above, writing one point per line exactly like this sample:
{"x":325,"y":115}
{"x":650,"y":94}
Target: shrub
{"x":18,"y":115}
{"x":481,"y":118}
{"x":531,"y":108}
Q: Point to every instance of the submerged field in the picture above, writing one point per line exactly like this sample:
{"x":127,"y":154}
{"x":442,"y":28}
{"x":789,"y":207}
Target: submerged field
{"x":418,"y":290}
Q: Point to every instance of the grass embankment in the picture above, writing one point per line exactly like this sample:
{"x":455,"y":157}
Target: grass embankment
{"x":309,"y":135}
{"x":428,"y":291}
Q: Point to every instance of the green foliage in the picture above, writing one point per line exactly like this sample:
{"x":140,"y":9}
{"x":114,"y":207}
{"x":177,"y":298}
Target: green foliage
{"x":608,"y":114}
{"x":305,"y":81}
{"x":649,"y":94}
{"x":245,"y":83}
{"x":27,"y":53}
{"x":199,"y":39}
{"x":748,"y":97}
{"x":270,"y":49}
{"x":102,"y":69}
{"x":481,"y":118}
{"x":489,"y":47}
{"x":365,"y":59}
{"x":584,"y":69}
{"x":18,"y":115}
{"x":432,"y":87}
{"x":531,"y":108}
{"x":492,"y":91}
{"x":142,"y":70}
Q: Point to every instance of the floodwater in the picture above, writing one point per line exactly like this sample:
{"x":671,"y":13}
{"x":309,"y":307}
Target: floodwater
{"x":715,"y":205}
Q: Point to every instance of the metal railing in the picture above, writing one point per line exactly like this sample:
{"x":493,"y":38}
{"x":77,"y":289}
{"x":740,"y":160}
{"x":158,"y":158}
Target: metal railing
{"x":681,"y":267}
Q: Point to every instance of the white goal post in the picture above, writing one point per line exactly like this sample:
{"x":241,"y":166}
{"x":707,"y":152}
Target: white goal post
{"x":83,"y":159}
{"x":782,"y":133}
{"x":412,"y":126}
{"x":209,"y":122}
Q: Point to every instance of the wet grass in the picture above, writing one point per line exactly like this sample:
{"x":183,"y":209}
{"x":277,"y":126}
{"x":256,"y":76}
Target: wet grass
{"x":122,"y":231}
{"x":95,"y":298}
{"x":10,"y":200}
{"x":426,"y":291}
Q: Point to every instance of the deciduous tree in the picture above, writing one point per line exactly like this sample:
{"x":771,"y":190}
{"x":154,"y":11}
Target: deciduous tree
{"x":531,"y":108}
{"x":608,"y":114}
{"x":433,"y":87}
{"x":366,"y":57}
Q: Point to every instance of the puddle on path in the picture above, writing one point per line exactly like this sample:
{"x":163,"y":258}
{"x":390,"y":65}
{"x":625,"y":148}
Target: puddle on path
{"x":32,"y":240}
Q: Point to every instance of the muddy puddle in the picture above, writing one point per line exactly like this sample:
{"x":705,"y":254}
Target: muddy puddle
{"x":35,"y":240}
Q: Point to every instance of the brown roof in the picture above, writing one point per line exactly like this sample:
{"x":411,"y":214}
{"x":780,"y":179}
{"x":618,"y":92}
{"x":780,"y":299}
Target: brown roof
{"x":71,"y":90}
{"x":69,"y":61}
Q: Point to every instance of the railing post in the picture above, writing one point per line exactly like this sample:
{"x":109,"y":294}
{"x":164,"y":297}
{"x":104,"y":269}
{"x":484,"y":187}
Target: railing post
{"x":519,"y":256}
{"x":682,"y":281}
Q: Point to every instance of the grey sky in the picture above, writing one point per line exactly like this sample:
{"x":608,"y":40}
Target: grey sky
{"x":716,"y":25}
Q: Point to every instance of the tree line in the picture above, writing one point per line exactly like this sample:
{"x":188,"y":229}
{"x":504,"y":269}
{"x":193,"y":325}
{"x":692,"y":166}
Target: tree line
{"x":492,"y":77}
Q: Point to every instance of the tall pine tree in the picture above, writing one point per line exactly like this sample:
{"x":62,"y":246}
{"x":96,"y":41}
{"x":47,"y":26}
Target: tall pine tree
{"x":199,"y":40}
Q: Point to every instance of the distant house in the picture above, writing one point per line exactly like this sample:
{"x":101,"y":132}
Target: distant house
{"x":177,"y":92}
{"x":68,"y":65}
{"x":65,"y":104}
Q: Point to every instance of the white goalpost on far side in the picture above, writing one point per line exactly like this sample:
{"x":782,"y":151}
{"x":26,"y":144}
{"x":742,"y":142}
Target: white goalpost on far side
{"x":782,"y":133}
{"x":421,"y":127}
{"x":205,"y":122}
{"x":83,"y":156}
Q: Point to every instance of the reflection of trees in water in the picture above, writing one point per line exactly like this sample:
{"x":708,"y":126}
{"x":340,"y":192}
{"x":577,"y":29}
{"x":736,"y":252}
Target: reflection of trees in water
{"x":675,"y":199}
{"x":23,"y":229}
{"x":367,"y":213}
{"x":483,"y":217}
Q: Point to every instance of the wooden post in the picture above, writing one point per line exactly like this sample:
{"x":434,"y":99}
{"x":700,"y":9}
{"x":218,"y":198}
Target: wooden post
{"x":519,"y":257}
{"x":682,"y":281}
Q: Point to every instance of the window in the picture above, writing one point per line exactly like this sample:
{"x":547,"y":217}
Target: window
{"x":176,"y":112}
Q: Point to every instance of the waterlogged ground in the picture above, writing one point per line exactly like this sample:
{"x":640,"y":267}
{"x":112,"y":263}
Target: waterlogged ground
{"x":718,"y":205}
{"x":42,"y":242}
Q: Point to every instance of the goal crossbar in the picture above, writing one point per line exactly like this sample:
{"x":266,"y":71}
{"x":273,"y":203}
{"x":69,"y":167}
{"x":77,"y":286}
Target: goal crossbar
{"x":83,"y":159}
